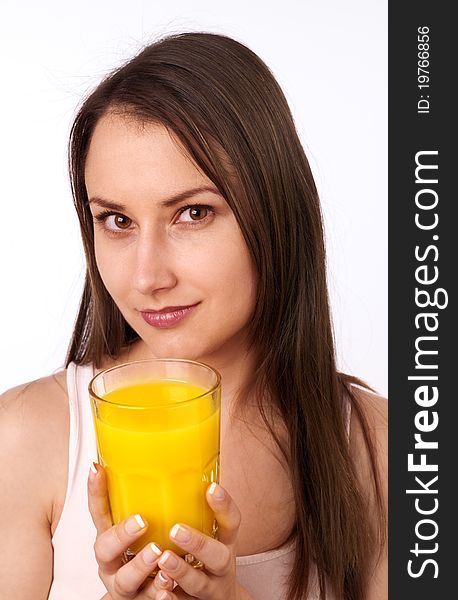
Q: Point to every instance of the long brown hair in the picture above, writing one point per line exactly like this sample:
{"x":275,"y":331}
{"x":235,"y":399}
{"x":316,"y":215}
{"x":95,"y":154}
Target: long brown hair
{"x":226,"y":108}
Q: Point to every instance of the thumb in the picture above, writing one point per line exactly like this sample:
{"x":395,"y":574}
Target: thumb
{"x":226,"y":512}
{"x":97,"y":494}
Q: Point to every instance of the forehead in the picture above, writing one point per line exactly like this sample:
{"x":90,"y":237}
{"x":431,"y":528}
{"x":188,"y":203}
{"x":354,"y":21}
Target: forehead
{"x":127,"y":155}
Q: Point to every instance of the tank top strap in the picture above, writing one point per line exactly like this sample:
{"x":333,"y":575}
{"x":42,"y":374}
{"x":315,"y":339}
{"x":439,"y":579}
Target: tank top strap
{"x":82,"y":447}
{"x":75,"y":568}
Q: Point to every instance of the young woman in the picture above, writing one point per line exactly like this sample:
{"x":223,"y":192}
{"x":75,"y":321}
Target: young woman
{"x":196,"y":201}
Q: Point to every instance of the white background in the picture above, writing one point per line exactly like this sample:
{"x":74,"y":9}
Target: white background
{"x":329,"y":56}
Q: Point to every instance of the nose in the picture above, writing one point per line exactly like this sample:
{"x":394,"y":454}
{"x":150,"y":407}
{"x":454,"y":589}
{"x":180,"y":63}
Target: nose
{"x":153,"y":269}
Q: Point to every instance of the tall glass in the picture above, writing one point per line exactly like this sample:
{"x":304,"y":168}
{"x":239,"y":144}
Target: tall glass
{"x":157,"y":424}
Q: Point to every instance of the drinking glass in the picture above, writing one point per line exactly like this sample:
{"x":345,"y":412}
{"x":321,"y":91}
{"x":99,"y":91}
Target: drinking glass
{"x":157,"y":425}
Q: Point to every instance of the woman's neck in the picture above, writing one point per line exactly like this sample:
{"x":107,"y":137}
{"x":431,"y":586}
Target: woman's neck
{"x":236,"y":367}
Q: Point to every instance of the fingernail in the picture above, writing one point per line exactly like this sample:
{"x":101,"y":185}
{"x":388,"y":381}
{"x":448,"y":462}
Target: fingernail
{"x":216,"y":491}
{"x":151,"y":553}
{"x":180,"y":533}
{"x":162,"y":579}
{"x":168,"y":561}
{"x":92,"y":471}
{"x":163,"y":596}
{"x":134,"y":524}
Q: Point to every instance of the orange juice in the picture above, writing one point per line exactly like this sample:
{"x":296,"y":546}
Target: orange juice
{"x":160,"y":451}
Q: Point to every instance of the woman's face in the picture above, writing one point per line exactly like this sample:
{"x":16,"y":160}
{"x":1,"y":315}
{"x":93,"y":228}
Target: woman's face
{"x":160,"y":244}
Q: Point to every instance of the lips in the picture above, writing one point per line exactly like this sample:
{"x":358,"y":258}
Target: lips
{"x":166,"y":317}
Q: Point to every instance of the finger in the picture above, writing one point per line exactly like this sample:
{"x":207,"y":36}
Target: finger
{"x":110,"y":545}
{"x":152,"y":590}
{"x":216,"y":557}
{"x":99,"y":506}
{"x":163,"y":595}
{"x":178,"y":594}
{"x":133,"y":574}
{"x":193,"y":581}
{"x":162,"y":581}
{"x":226,"y":512}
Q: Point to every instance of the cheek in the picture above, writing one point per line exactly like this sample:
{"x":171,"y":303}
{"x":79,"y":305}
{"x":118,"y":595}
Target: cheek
{"x":109,"y":271}
{"x":236,"y":282}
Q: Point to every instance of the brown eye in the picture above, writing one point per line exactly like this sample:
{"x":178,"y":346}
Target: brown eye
{"x":113,"y":223}
{"x":194,"y":213}
{"x":198,"y":212}
{"x":122,"y":222}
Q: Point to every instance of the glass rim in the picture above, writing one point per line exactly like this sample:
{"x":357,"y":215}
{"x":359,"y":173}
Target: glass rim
{"x":93,"y":395}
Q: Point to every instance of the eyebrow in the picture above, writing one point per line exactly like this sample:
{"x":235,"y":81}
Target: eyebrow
{"x":166,"y":203}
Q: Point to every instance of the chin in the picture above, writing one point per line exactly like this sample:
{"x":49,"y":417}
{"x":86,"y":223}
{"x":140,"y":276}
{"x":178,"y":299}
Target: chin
{"x":173,"y":351}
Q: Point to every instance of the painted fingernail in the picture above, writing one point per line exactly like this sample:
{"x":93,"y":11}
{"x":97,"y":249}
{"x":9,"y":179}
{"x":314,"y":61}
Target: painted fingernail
{"x":162,"y":579}
{"x":92,"y":471}
{"x":151,"y":553}
{"x":216,"y":491}
{"x":180,"y":533}
{"x":134,"y":524}
{"x":168,"y":561}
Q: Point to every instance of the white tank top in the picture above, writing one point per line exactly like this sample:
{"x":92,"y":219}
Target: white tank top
{"x":75,"y":575}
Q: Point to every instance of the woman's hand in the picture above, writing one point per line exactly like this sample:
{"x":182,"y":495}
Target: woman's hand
{"x":217,"y":580}
{"x":121,"y":580}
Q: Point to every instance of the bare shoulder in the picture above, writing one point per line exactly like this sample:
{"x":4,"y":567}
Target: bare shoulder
{"x":39,"y":391}
{"x":375,"y":407}
{"x":33,"y":473}
{"x":375,"y":410}
{"x":35,"y":409}
{"x":34,"y":436}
